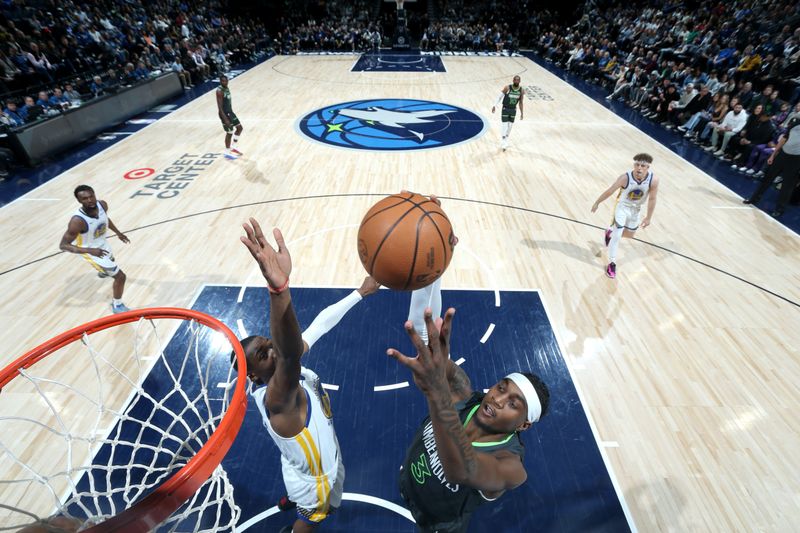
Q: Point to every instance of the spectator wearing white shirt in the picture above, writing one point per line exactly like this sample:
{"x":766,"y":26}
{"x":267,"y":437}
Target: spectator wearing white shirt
{"x":732,"y":124}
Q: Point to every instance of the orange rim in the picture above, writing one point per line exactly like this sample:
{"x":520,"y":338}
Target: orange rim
{"x":170,"y":495}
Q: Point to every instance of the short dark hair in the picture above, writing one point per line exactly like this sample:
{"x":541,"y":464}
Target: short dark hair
{"x":82,"y":188}
{"x":541,"y":391}
{"x":246,"y":342}
{"x":643,"y":157}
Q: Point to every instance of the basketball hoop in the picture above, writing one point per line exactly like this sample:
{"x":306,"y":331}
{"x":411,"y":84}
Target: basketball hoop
{"x":176,"y":434}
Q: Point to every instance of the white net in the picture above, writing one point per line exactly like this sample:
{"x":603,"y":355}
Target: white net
{"x":95,"y":427}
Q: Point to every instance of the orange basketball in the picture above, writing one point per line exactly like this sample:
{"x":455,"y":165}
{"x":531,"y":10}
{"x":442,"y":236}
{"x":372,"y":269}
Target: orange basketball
{"x":405,"y":241}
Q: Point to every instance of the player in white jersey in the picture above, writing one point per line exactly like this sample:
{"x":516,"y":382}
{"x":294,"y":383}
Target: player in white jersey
{"x":295,"y":409}
{"x":86,"y":235}
{"x":633,"y":189}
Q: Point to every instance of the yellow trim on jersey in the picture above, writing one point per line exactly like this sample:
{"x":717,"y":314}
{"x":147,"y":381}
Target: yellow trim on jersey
{"x":314,"y":460}
{"x":93,"y":263}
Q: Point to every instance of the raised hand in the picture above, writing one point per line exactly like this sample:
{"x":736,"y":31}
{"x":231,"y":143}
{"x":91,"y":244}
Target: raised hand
{"x":429,"y":367}
{"x":369,"y":286}
{"x":275,"y":265}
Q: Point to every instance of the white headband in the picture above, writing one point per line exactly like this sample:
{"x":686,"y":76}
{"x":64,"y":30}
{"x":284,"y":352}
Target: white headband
{"x":525,"y":385}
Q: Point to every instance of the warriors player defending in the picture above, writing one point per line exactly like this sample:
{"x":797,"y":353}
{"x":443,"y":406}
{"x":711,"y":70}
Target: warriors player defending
{"x":294,"y":407}
{"x":86,"y":235}
{"x":228,"y":118}
{"x":510,"y":96}
{"x":633,"y":189}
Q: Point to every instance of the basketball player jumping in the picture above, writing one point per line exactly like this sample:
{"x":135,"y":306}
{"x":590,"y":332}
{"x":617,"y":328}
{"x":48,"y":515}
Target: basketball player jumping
{"x":87,"y":230}
{"x":294,"y":407}
{"x":633,"y":189}
{"x":468,"y":450}
{"x":510,"y":96}
{"x":228,"y":118}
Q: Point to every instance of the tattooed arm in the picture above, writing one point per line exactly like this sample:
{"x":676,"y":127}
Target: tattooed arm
{"x":460,"y":386}
{"x":434,"y":376}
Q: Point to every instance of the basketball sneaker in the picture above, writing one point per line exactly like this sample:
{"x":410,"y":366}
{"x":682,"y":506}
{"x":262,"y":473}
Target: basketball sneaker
{"x":611,"y":270}
{"x":236,"y":152}
{"x":230,"y":155}
{"x":119,"y":308}
{"x":608,"y":236}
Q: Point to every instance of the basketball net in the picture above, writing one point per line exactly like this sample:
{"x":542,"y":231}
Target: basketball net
{"x":120,"y":435}
{"x":399,"y":4}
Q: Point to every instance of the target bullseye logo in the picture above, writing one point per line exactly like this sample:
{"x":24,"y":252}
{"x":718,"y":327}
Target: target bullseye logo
{"x":138,"y":173}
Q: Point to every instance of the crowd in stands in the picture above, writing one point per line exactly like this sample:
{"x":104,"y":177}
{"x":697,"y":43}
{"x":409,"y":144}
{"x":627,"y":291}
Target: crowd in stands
{"x":56,"y":55}
{"x":724,"y":74}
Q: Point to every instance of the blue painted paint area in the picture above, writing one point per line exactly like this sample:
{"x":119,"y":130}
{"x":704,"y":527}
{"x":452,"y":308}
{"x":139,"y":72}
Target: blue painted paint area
{"x":568,"y":487}
{"x":398,"y":63}
{"x":719,"y":170}
{"x":391,"y":125}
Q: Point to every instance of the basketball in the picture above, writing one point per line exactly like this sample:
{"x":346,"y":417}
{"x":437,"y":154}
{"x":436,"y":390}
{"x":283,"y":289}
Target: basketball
{"x":405,"y":241}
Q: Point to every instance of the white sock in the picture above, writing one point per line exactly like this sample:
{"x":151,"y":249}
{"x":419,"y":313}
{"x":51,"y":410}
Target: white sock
{"x":616,"y":236}
{"x":430,"y":296}
{"x":116,"y":301}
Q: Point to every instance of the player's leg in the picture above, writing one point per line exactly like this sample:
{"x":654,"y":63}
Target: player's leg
{"x":236,"y":135}
{"x":621,"y":216}
{"x":117,"y":289}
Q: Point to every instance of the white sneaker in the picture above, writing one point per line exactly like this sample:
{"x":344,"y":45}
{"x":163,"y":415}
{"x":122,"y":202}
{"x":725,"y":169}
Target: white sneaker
{"x":710,"y":148}
{"x":734,"y":167}
{"x":719,"y":153}
{"x":750,"y":171}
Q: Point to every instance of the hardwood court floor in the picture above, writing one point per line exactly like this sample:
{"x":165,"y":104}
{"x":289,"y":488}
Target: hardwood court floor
{"x":687,"y":363}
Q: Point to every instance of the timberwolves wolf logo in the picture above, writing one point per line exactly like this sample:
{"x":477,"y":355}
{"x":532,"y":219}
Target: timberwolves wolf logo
{"x":391,"y":125}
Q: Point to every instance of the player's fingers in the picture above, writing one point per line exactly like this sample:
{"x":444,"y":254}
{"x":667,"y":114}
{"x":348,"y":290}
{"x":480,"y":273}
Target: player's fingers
{"x":279,"y":239}
{"x":252,"y":247}
{"x":435,"y":199}
{"x":430,"y":324}
{"x":446,"y":325}
{"x":258,"y":233}
{"x":404,"y":360}
{"x":416,"y":340}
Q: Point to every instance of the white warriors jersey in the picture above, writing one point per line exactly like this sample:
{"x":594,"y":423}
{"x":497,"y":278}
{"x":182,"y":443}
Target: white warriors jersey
{"x":95,"y":235}
{"x":314,"y":451}
{"x":635,"y":193}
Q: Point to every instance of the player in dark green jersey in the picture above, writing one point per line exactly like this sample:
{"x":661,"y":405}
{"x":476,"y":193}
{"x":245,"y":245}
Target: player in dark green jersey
{"x":510,"y":97}
{"x":468,"y":450}
{"x":230,"y":122}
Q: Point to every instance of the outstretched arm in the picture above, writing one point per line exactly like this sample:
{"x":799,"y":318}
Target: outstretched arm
{"x":461,"y":464}
{"x":619,"y":184}
{"x":331,"y":315}
{"x":500,"y":97}
{"x":284,"y":328}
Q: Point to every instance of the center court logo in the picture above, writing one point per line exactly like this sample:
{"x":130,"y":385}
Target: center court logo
{"x":392,"y":125}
